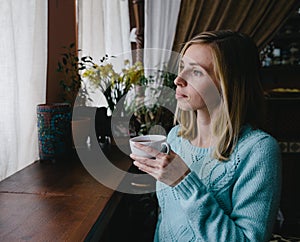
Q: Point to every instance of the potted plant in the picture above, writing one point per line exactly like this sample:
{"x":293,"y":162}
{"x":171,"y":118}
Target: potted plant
{"x":75,"y":93}
{"x":152,"y":114}
{"x":114,"y":85}
{"x":71,"y":82}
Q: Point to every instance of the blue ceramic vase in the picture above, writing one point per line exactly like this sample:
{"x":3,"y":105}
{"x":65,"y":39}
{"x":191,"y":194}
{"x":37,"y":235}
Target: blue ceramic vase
{"x":54,"y":129}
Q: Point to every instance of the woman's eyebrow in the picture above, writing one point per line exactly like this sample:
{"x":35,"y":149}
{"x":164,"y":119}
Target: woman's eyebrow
{"x":190,"y":63}
{"x":206,"y":68}
{"x":199,"y":65}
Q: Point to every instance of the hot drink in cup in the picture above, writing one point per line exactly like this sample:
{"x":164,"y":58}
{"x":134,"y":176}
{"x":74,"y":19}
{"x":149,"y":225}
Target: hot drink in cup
{"x":158,"y":142}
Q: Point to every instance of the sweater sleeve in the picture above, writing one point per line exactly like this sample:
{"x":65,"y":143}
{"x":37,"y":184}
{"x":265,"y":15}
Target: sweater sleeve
{"x":255,"y":198}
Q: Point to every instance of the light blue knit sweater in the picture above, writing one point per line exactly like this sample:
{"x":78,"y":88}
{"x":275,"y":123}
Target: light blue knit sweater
{"x":231,"y":201}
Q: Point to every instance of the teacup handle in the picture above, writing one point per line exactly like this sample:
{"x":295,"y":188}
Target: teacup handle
{"x":165,"y":148}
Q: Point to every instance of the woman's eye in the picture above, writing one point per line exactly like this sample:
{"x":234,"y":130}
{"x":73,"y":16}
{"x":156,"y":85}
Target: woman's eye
{"x":197,"y":72}
{"x":181,"y":67}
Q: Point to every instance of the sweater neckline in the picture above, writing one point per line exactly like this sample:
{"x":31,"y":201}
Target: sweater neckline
{"x":195,"y":149}
{"x":204,"y":151}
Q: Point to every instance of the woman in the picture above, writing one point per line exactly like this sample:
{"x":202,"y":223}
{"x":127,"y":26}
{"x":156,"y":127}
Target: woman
{"x":221,"y":181}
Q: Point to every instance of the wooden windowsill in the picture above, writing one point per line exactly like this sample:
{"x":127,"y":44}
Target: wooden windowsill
{"x":56,"y":202}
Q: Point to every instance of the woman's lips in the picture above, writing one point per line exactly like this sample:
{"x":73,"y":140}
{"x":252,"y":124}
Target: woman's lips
{"x":180,"y":95}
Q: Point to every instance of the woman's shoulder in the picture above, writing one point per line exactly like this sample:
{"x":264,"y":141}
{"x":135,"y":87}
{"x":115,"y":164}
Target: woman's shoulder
{"x":256,"y":144}
{"x":256,"y":149}
{"x":174,"y":132}
{"x":173,"y":139}
{"x":250,"y":137}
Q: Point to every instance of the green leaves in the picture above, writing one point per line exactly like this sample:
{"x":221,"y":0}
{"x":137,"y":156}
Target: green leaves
{"x":70,"y":65}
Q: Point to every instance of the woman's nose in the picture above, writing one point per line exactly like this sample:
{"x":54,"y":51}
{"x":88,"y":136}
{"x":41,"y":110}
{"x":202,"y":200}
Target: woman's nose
{"x":179,"y":81}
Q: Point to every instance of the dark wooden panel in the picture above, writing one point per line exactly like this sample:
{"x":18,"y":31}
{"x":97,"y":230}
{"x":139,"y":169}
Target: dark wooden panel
{"x":283,"y":122}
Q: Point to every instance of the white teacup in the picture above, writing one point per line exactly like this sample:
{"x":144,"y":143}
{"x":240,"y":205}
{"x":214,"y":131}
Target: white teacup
{"x":155,"y":141}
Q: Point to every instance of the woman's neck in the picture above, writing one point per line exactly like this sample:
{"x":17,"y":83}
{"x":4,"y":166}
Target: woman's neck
{"x":204,"y":134}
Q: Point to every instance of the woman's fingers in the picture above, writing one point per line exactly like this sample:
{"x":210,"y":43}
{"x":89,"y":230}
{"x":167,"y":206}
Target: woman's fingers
{"x":167,"y":168}
{"x":143,"y":160}
{"x":149,"y":150}
{"x":144,"y":167}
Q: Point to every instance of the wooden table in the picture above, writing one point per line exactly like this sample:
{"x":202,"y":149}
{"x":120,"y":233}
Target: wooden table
{"x":57,"y":201}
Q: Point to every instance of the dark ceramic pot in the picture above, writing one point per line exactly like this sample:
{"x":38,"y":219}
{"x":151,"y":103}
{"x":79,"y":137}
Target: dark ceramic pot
{"x":54,"y":129}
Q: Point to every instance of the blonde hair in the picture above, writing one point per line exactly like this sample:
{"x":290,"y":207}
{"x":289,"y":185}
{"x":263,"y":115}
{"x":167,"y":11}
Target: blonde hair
{"x":236,"y":66}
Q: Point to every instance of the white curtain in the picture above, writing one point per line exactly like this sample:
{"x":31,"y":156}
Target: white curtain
{"x":23,"y":62}
{"x":103,"y":28}
{"x":160,"y":27}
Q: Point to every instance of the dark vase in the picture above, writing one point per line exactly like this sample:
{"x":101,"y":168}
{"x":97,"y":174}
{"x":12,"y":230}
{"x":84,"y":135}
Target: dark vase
{"x":54,"y":129}
{"x":100,"y":124}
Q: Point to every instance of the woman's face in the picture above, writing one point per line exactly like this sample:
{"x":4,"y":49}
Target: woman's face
{"x":197,"y":87}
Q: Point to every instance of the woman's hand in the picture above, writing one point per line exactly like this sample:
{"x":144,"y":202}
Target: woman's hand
{"x":167,"y":168}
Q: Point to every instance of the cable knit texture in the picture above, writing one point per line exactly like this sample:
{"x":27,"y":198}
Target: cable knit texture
{"x":236,"y":200}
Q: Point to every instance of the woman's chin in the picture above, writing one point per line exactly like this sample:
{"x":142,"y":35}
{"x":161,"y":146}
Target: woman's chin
{"x":185,"y":106}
